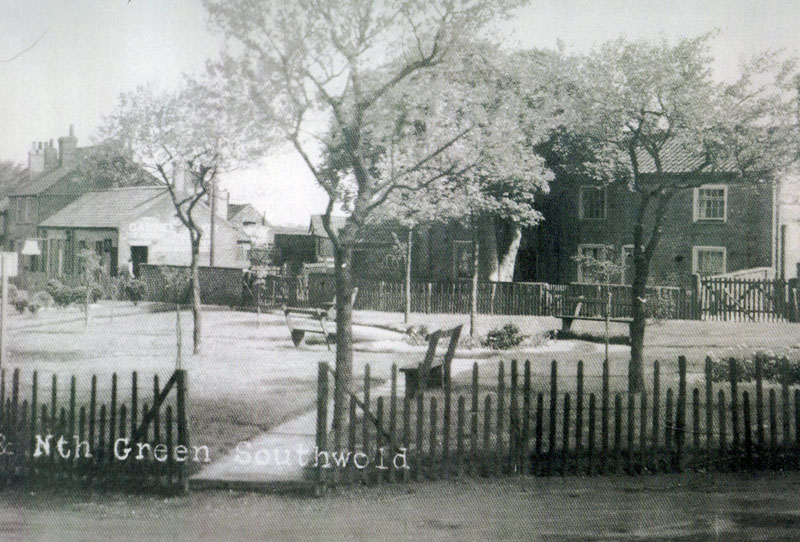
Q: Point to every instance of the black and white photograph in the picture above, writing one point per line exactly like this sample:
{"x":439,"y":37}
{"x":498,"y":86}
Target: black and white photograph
{"x":399,"y":270}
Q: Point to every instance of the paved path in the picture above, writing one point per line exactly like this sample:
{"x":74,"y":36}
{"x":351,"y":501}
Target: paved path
{"x":274,"y":458}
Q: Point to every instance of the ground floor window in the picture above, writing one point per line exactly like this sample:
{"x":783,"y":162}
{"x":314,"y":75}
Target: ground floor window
{"x":626,"y":259}
{"x":586,"y":255}
{"x":708,"y":260}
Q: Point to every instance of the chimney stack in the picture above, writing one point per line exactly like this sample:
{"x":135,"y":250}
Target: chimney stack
{"x":36,"y":158}
{"x":67,"y":147}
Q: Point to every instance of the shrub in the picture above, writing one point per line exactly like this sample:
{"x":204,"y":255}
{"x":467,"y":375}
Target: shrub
{"x":39,"y":300}
{"x":135,"y":290}
{"x":53,"y":286}
{"x":504,"y":338}
{"x":771,"y":369}
{"x":20,"y":301}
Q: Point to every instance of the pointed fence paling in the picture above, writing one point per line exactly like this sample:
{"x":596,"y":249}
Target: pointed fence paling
{"x":64,"y":442}
{"x":509,"y":426}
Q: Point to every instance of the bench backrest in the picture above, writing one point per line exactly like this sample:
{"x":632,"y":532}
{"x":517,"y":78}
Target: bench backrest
{"x":332,"y":309}
{"x":428,"y":362}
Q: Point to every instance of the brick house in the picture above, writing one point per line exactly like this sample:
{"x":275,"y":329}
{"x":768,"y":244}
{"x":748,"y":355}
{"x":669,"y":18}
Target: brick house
{"x":440,"y":252}
{"x":726,"y":224}
{"x":52,"y":180}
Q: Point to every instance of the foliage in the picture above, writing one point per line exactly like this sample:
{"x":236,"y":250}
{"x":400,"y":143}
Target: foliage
{"x":772,"y":369}
{"x":39,"y":300}
{"x":12,"y":293}
{"x":20,"y":302}
{"x":184,"y":140}
{"x":638,"y":104}
{"x":605,"y":270}
{"x":177,"y":285}
{"x":318,"y":75}
{"x":135,"y":290}
{"x":508,"y":336}
{"x":589,"y":337}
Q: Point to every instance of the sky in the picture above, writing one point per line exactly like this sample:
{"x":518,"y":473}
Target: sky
{"x":92,"y":50}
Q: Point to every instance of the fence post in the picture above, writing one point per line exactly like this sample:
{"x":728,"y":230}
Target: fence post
{"x":709,"y":408}
{"x":697,"y":308}
{"x":183,"y":429}
{"x":759,"y":361}
{"x":785,"y":401}
{"x":604,"y":418}
{"x":551,"y":441}
{"x":501,"y":391}
{"x":322,"y":426}
{"x":734,"y":404}
{"x":526,"y":419}
{"x":579,"y":419}
{"x":680,"y":417}
{"x":473,"y":437}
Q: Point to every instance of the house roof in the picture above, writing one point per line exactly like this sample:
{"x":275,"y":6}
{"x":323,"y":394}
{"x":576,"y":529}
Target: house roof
{"x":235,"y":208}
{"x":316,"y":227}
{"x":290,"y":230}
{"x":676,"y":159}
{"x":30,"y":185}
{"x":107,"y":209}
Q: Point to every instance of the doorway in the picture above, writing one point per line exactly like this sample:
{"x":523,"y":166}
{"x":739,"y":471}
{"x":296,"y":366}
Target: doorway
{"x":138,"y":257}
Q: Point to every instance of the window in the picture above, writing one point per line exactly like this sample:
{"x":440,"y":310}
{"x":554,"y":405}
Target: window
{"x":710,"y":203}
{"x":708,"y":260}
{"x":592,"y":204}
{"x":627,"y":264}
{"x":593,"y":252}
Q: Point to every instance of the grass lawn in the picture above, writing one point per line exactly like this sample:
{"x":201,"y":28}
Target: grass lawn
{"x":249,"y":377}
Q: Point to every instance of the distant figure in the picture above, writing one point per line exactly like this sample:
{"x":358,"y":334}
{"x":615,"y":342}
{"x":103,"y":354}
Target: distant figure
{"x":129,"y":269}
{"x":248,"y":285}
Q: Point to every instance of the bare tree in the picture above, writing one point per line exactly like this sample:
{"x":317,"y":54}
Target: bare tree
{"x":183,"y":140}
{"x":302,"y":67}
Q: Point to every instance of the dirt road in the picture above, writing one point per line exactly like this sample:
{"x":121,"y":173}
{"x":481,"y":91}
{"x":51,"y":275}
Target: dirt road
{"x":653,"y":508}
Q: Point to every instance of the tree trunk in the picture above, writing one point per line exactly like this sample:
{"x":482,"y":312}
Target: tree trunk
{"x":508,"y":262}
{"x":344,"y":335}
{"x":473,"y":312}
{"x":407,"y":309}
{"x":638,"y":290}
{"x":196,"y":294}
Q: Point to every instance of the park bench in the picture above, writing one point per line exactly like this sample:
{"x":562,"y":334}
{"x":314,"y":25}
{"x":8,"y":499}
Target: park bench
{"x":314,"y":320}
{"x":567,"y":319}
{"x":431,"y":373}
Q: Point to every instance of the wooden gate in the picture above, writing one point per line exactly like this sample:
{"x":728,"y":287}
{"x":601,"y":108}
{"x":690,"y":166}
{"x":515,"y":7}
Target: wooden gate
{"x":749,"y":300}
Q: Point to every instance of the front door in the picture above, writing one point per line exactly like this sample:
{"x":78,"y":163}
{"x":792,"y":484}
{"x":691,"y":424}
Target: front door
{"x":138,"y":257}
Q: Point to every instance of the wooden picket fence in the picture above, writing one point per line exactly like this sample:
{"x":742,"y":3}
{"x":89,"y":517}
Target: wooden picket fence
{"x":748,"y":299}
{"x":90,"y":432}
{"x":509,"y":428}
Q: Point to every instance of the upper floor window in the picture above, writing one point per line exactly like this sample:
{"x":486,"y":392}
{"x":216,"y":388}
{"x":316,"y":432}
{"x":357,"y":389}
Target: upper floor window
{"x":711,"y":203}
{"x":592,"y":204}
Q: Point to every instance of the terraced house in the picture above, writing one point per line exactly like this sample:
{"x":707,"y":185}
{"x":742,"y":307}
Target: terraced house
{"x":724,"y":225}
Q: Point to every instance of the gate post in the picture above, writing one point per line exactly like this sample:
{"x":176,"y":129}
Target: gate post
{"x":697,"y":305}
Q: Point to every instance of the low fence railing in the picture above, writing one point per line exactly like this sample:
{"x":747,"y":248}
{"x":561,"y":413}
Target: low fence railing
{"x":732,"y":299}
{"x":131,"y":446}
{"x":515,"y":425}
